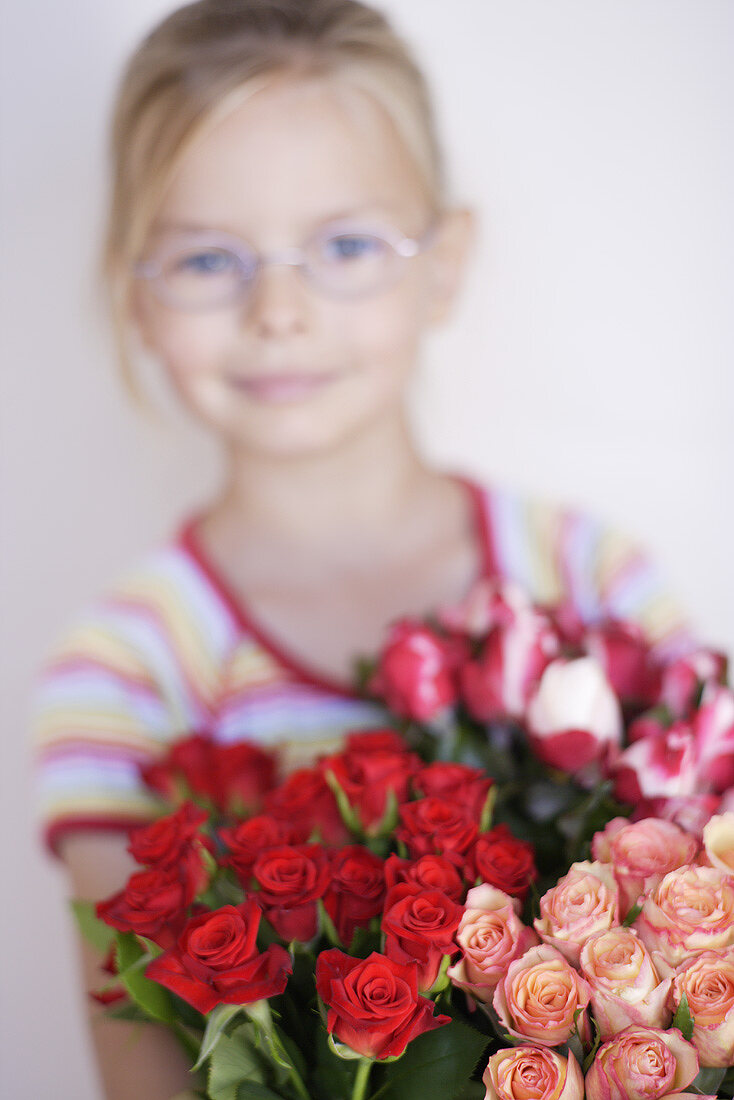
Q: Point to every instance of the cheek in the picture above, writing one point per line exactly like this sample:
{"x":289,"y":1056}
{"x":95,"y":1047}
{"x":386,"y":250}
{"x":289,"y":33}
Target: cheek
{"x":384,"y":332}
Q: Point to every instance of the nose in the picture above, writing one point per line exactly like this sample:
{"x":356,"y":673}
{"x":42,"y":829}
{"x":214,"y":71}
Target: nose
{"x":278,"y":300}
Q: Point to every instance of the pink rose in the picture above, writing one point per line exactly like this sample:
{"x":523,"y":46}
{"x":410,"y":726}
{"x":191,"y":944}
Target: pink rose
{"x":691,"y":910}
{"x":641,"y":1064}
{"x":491,"y":936}
{"x":641,"y":853}
{"x":499,"y":682}
{"x":417,"y":670}
{"x":708,"y":984}
{"x":586,"y":900}
{"x":683,"y":677}
{"x":628,"y":661}
{"x":532,"y":1073}
{"x":718,"y":842}
{"x":713,"y":729}
{"x":574,"y":717}
{"x":543,"y":999}
{"x":492,"y":601}
{"x":662,"y":765}
{"x":625,"y":986}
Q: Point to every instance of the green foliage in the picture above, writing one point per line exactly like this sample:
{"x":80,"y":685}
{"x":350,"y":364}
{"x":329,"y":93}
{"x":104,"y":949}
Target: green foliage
{"x":152,"y":998}
{"x":633,"y":914}
{"x":219,"y":1017}
{"x":437,"y":1063}
{"x":94,"y":930}
{"x":708,"y":1080}
{"x":234,"y":1059}
{"x":683,"y":1019}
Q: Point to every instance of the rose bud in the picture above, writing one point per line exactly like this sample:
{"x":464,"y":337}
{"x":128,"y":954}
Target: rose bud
{"x":713,"y":729}
{"x":641,"y":1063}
{"x":641,"y":854}
{"x":625,"y":986}
{"x":543,"y":999}
{"x":499,"y":682}
{"x":683,"y":678}
{"x":628,"y":661}
{"x":416,"y":671}
{"x":502,"y":860}
{"x":707,"y":982}
{"x":662,"y":766}
{"x":492,"y":601}
{"x":369,"y":772}
{"x":718,"y":842}
{"x":419,"y":926}
{"x":356,"y":890}
{"x":216,"y":961}
{"x":249,"y":838}
{"x":432,"y":825}
{"x":291,"y":879}
{"x":306,"y":797}
{"x":431,"y":872}
{"x":574,"y":718}
{"x":690,"y":911}
{"x":491,"y":936}
{"x":467,"y":786}
{"x":245,"y":773}
{"x":586,"y":900}
{"x":690,"y":813}
{"x":373,"y":1003}
{"x":153,"y":903}
{"x":532,"y":1073}
{"x":168,"y":839}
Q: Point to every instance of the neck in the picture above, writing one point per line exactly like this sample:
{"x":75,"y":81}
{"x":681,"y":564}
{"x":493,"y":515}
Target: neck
{"x":335,"y":502}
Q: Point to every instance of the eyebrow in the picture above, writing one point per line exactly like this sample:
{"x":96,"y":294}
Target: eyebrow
{"x":347,"y":212}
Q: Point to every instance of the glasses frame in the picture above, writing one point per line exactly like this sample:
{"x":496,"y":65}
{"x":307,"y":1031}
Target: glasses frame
{"x":403,"y":246}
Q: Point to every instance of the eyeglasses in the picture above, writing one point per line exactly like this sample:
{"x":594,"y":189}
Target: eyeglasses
{"x":344,"y":259}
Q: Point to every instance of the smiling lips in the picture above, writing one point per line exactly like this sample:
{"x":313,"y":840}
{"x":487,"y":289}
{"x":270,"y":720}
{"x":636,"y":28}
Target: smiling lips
{"x":282,"y":387}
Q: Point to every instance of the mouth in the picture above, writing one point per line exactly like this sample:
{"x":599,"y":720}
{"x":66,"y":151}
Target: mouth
{"x":277,"y":388}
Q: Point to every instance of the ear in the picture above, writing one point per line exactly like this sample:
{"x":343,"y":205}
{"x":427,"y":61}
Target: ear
{"x":448,"y":260}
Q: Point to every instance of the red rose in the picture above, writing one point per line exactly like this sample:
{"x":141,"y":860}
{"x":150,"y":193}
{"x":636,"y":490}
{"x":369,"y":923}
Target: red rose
{"x":249,"y":839}
{"x":234,"y":778}
{"x":368,"y":770}
{"x":356,"y":890}
{"x":628,"y":662}
{"x":373,"y":1003}
{"x":292,"y":878}
{"x":502,"y":860}
{"x":419,"y":925}
{"x":153,"y":903}
{"x":305,"y":797}
{"x":432,"y":872}
{"x":216,"y":961}
{"x":417,"y":669}
{"x":464,"y":785}
{"x":432,"y":825}
{"x":168,"y":840}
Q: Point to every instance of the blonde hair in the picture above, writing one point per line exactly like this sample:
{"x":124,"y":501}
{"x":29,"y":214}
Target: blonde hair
{"x":207,"y":57}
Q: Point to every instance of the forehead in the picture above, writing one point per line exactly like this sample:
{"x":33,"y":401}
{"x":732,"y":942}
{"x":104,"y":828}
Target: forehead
{"x":294,"y":153}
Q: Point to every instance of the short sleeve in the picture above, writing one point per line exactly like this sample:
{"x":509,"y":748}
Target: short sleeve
{"x":612,"y":574}
{"x":96,"y":715}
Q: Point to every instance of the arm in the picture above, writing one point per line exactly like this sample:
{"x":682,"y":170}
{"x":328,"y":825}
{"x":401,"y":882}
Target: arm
{"x":135,"y":1062}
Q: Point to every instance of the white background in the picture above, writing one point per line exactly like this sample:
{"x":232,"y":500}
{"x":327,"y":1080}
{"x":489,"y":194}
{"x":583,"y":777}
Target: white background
{"x":591,"y":358}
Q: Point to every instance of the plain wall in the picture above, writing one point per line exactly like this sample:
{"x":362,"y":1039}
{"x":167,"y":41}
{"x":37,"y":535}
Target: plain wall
{"x":591,"y":357}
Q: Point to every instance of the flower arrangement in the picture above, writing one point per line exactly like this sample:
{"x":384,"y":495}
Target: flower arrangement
{"x":522,"y":888}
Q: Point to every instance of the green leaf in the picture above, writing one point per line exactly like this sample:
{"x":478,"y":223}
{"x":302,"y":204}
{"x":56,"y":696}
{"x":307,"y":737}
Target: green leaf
{"x":234,"y":1061}
{"x":683,"y":1019}
{"x":251,"y":1090}
{"x":485,"y":821}
{"x":218,"y":1017}
{"x":151,"y":997}
{"x":633,"y":914}
{"x":437,"y":1063}
{"x":94,"y":930}
{"x":349,"y":814}
{"x":708,"y":1080}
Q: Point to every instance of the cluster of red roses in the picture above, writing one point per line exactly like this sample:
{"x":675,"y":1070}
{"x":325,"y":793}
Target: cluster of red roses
{"x":295,"y":866}
{"x":573,"y":689}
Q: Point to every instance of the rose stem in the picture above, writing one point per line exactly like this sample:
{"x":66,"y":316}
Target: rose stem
{"x":359,"y":1089}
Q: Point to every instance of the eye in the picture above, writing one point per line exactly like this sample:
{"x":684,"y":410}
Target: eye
{"x":352,"y":246}
{"x":211,"y":262}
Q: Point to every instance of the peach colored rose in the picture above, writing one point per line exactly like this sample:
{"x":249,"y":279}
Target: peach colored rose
{"x":641,"y":852}
{"x":586,"y":900}
{"x":490,"y":936}
{"x":532,"y":1073}
{"x":690,"y":911}
{"x":718,"y":842}
{"x":641,"y":1064}
{"x":625,"y":987}
{"x":708,"y":983}
{"x":539,"y":996}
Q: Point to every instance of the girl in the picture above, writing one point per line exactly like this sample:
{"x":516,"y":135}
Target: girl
{"x":281,"y":241}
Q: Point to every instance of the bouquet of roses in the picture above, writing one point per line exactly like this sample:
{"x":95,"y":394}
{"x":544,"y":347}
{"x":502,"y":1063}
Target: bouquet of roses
{"x":455,"y":906}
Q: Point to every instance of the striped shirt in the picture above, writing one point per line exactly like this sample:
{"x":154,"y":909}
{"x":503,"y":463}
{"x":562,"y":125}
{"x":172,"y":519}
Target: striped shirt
{"x":168,"y":649}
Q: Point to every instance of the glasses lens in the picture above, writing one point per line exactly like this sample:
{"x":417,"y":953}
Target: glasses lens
{"x":197,"y":277}
{"x":351,"y":263}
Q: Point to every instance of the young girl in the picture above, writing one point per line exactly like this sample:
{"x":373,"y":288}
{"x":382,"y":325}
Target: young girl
{"x":281,"y":242}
